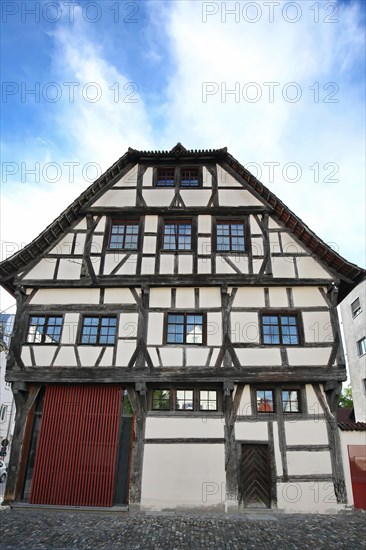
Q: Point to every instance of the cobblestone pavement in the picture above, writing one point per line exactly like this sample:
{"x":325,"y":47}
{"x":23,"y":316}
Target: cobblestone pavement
{"x":168,"y":531}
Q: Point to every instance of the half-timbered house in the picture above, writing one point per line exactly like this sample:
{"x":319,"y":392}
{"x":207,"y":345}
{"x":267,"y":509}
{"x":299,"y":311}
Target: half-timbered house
{"x":176,"y":345}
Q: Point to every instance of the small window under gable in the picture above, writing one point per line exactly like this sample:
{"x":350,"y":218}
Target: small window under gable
{"x":189,"y":177}
{"x":124,"y":235}
{"x":165,"y":177}
{"x":177,"y":235}
{"x":44,"y":329}
{"x":230,"y":236}
{"x":356,"y":308}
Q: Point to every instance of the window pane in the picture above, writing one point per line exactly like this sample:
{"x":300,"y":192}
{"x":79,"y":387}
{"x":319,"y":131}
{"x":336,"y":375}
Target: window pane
{"x":161,"y":400}
{"x":208,"y":400}
{"x":184,"y":401}
{"x":165,"y":177}
{"x":264,"y":400}
{"x":290,"y":401}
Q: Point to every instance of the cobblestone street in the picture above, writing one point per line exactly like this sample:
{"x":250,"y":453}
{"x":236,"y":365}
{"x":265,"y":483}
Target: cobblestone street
{"x":168,"y":531}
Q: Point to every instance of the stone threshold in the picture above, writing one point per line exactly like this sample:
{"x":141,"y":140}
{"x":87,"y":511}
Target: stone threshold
{"x":60,"y":508}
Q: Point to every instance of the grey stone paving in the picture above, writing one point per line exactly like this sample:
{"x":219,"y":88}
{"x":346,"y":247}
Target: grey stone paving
{"x":33,"y":530}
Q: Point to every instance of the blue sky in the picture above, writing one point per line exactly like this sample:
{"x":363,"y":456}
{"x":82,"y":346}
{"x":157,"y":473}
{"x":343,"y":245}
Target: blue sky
{"x":296,"y":118}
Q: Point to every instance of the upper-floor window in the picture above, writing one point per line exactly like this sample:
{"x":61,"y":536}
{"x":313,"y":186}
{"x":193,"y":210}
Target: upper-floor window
{"x":361,"y":346}
{"x":44,"y":329}
{"x":177,"y":235}
{"x":98,"y":330}
{"x":165,"y":177}
{"x":265,"y":401}
{"x":3,"y":410}
{"x":356,"y":308}
{"x":230,"y":236}
{"x":185,"y":328}
{"x":189,"y":177}
{"x":183,"y":399}
{"x":290,"y":401}
{"x":280,"y":329}
{"x":124,"y":235}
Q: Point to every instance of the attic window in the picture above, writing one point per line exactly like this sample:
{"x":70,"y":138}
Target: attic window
{"x":124,"y":235}
{"x":165,"y":177}
{"x":356,"y":308}
{"x":44,"y":329}
{"x":189,"y":177}
{"x":230,"y":236}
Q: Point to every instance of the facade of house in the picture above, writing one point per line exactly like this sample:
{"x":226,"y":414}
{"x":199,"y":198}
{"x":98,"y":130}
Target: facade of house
{"x":7,"y":404}
{"x":176,"y":345}
{"x":353,"y":327}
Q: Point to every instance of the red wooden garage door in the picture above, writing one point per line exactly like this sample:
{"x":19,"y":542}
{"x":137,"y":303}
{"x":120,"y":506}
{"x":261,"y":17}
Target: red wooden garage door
{"x":77,"y":449}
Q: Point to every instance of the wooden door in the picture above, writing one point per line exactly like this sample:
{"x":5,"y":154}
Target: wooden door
{"x":255,"y":490}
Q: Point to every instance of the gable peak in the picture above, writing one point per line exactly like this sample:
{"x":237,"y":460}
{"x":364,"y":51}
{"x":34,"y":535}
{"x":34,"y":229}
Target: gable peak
{"x":178,"y":149}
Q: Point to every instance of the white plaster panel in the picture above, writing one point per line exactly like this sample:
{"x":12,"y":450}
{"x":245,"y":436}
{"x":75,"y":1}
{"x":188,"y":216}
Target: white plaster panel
{"x":308,"y":356}
{"x":277,"y":450}
{"x":241,"y":263}
{"x":66,"y":296}
{"x":306,"y":432}
{"x":249,"y":297}
{"x":149,"y":245}
{"x":274,"y":243}
{"x":171,"y":357}
{"x":278,"y":297}
{"x":117,"y":197}
{"x":125,"y":350}
{"x":307,"y":296}
{"x":26,"y":357}
{"x":197,"y":357}
{"x":69,"y":269}
{"x":185,"y":263}
{"x":224,"y":179}
{"x":101,"y":225}
{"x":151,"y":224}
{"x":228,"y":197}
{"x":176,"y":476}
{"x":118,"y":296}
{"x":64,"y":246}
{"x":314,"y":406}
{"x":204,"y":265}
{"x":257,"y":264}
{"x":206,"y":177}
{"x":128,"y":325}
{"x":107,"y":358}
{"x":214,"y":328}
{"x":167,"y":264}
{"x":204,"y":224}
{"x":305,"y":463}
{"x":204,"y":245}
{"x":290,"y":246}
{"x":307,"y":497}
{"x":283,"y":267}
{"x":210,"y":297}
{"x":154,"y":356}
{"x":66,"y":357}
{"x":111,"y":261}
{"x":155,"y":329}
{"x":70,"y":328}
{"x":81,"y":225}
{"x":214,"y":357}
{"x":79,"y":243}
{"x":184,"y":427}
{"x":96,"y":264}
{"x":97,"y":245}
{"x":195,"y":197}
{"x":44,"y":355}
{"x":244,"y":327}
{"x":245,"y":407}
{"x":317,"y":326}
{"x":129,"y":179}
{"x":257,"y":357}
{"x":223,"y":267}
{"x":89,"y":355}
{"x":254,"y":227}
{"x":129,"y":267}
{"x":251,"y":431}
{"x":147,"y":179}
{"x":160,"y":297}
{"x":148,"y":266}
{"x":43,"y":269}
{"x":158,"y":197}
{"x":185,"y":298}
{"x":272,"y":224}
{"x":257,"y":246}
{"x":308,"y":268}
